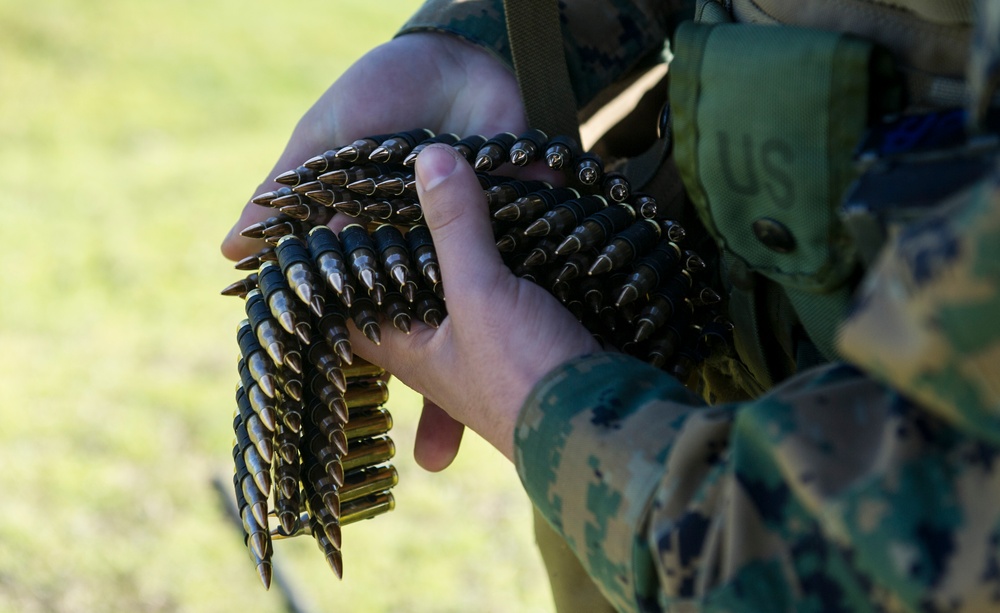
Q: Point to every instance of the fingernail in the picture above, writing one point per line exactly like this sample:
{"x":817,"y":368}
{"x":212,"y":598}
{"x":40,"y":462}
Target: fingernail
{"x":434,"y":165}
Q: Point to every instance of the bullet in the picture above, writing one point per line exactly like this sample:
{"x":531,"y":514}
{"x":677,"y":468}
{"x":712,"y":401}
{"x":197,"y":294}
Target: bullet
{"x":345,"y":176}
{"x":592,"y":292}
{"x":274,"y":232}
{"x":242,"y":287}
{"x":509,"y":191}
{"x":359,"y":251}
{"x":297,"y":266}
{"x":448,"y":138}
{"x":397,"y":184}
{"x":634,"y":241}
{"x":394,"y":254}
{"x":360,"y":483}
{"x":423,"y":253}
{"x":327,"y":253}
{"x":494,"y":152}
{"x":703,"y":296}
{"x":664,"y":302}
{"x":396,"y":147}
{"x":369,"y":451}
{"x":296,"y":176}
{"x":469,"y":146}
{"x":289,"y":382}
{"x":513,"y":240}
{"x":429,"y":308}
{"x":566,"y":215}
{"x":616,"y":187}
{"x":388,"y":210}
{"x":596,"y":228}
{"x":328,"y":364}
{"x":544,"y":252}
{"x":290,"y":411}
{"x":310,"y":214}
{"x":645,"y":205}
{"x":253,"y":262}
{"x":327,"y":457}
{"x":329,"y":424}
{"x":371,"y":393}
{"x":589,"y":168}
{"x":648,"y":272}
{"x":263,"y":407}
{"x":359,"y":150}
{"x":365,"y":316}
{"x":575,"y":265}
{"x":266,"y":198}
{"x":396,"y":309}
{"x":286,"y":444}
{"x":366,"y":508}
{"x":532,"y":206}
{"x":408,"y":215}
{"x":257,"y":230}
{"x":561,"y":152}
{"x":259,"y":435}
{"x":278,"y":296}
{"x":693,"y":263}
{"x":325,"y":489}
{"x":325,"y":162}
{"x":258,"y":363}
{"x":329,"y":195}
{"x":528,"y":147}
{"x":371,"y":422}
{"x":333,"y":327}
{"x":362,"y":370}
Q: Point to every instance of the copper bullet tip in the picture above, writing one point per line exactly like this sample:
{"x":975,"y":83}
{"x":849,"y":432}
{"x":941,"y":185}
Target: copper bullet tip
{"x":316,"y":163}
{"x":317,"y":303}
{"x":626,"y":295}
{"x":304,"y":332}
{"x":508,"y":212}
{"x":344,"y":351}
{"x":519,"y":157}
{"x":433,"y":318}
{"x":293,"y":360}
{"x":294,"y":389}
{"x":380,"y":154}
{"x":643,"y":330}
{"x":349,"y":153}
{"x":264,"y":572}
{"x":253,"y":231}
{"x":539,"y":227}
{"x":258,"y":543}
{"x":374,"y":333}
{"x":367,"y":277}
{"x":363,"y":186}
{"x":602,"y":265}
{"x":433,"y":274}
{"x":293,"y":420}
{"x":289,"y":177}
{"x":410,"y":159}
{"x":289,"y":521}
{"x":287,"y":321}
{"x":555,"y":161}
{"x":570,"y":244}
{"x":483,"y":163}
{"x":267,"y":384}
{"x":264,"y":199}
{"x":399,"y":274}
{"x":402,"y":322}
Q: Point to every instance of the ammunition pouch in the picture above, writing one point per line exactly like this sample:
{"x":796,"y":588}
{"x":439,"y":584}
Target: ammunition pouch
{"x":764,"y":141}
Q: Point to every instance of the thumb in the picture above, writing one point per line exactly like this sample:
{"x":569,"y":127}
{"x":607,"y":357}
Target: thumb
{"x":458,"y":217}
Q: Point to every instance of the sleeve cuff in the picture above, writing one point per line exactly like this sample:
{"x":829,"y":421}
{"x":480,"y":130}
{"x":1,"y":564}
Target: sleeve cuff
{"x":480,"y":22}
{"x":590,"y":447}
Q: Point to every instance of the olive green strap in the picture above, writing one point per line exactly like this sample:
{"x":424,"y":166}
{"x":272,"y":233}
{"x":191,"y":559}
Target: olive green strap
{"x":536,"y":45}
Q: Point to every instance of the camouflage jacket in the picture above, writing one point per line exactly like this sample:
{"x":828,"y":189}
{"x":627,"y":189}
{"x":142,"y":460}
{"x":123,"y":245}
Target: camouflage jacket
{"x":866,"y":484}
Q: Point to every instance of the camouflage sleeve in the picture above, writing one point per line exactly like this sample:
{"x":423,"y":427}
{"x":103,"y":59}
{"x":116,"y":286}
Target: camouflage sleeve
{"x":603,"y":39}
{"x":927,"y":320}
{"x":831,"y":493}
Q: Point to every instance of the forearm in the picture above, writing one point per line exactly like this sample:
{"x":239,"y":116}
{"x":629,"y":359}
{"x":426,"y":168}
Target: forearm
{"x":804,"y":498}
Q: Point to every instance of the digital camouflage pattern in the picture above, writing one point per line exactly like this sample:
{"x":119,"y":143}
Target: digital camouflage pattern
{"x":869,"y":484}
{"x":831,"y":493}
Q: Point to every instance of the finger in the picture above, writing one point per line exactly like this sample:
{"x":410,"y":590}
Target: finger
{"x":438,"y":438}
{"x":458,"y":218}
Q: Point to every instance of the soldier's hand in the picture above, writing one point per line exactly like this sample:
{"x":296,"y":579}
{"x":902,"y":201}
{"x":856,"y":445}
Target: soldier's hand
{"x":431,"y":81}
{"x":502,"y":333}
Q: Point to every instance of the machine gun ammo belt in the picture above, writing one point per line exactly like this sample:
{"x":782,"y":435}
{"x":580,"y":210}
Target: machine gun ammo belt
{"x":312,"y":448}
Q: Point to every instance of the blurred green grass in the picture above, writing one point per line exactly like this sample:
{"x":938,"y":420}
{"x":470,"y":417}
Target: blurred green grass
{"x":131,"y":134}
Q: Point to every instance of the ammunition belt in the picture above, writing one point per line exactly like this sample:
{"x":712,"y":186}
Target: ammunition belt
{"x":312,"y":449}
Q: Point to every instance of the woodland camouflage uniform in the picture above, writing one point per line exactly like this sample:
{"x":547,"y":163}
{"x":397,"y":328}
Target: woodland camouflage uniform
{"x":867,"y":479}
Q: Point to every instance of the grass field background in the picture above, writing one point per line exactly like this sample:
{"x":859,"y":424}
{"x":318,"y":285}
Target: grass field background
{"x":131,"y":134}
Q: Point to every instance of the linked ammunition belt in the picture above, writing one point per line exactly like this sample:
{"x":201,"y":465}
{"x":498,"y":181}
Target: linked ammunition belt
{"x":312,"y":451}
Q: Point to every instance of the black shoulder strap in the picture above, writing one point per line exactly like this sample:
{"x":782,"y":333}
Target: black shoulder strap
{"x":536,"y":45}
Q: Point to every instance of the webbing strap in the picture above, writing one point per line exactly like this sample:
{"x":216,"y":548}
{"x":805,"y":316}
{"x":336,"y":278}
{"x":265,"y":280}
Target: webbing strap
{"x":540,"y":65}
